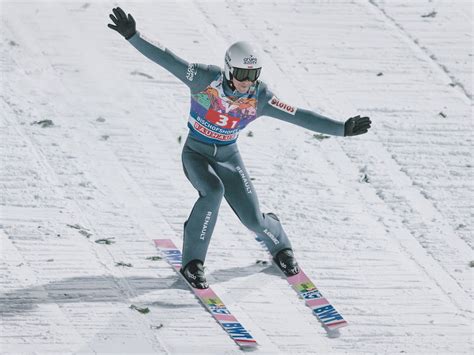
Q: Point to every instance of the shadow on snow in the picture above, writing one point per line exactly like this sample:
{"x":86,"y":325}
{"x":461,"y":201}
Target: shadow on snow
{"x":105,"y":288}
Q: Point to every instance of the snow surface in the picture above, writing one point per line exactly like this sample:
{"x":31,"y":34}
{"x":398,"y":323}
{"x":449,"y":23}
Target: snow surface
{"x":381,"y":222}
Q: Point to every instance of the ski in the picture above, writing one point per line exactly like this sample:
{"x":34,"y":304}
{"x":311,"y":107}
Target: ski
{"x":208,"y":298}
{"x":329,"y":317}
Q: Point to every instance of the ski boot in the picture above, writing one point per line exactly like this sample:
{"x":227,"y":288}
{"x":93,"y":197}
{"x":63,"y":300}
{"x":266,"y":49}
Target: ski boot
{"x":286,"y":262}
{"x":193,"y":272}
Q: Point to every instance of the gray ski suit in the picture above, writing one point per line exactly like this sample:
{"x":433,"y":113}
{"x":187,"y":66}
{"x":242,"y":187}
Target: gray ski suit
{"x":210,"y":156}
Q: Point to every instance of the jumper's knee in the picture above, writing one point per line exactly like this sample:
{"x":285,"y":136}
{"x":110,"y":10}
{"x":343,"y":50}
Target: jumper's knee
{"x":258,"y":223}
{"x":255,"y":223}
{"x":273,"y":215}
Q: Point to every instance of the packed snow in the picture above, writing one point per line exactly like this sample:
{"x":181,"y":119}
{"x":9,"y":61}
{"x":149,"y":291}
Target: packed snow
{"x":91,"y":133}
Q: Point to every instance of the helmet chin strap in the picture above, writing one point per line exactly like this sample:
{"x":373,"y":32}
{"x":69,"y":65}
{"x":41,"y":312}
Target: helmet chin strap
{"x":230,"y":83}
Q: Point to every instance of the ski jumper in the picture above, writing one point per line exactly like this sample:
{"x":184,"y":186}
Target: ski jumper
{"x":210,"y":156}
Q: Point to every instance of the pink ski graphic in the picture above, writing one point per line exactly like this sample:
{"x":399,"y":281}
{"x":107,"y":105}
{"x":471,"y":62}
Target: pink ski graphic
{"x":320,"y":306}
{"x":322,"y":309}
{"x":208,"y":298}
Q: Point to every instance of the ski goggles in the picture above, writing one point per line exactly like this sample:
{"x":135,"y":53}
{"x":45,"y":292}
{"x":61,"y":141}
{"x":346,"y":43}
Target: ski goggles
{"x":242,"y":74}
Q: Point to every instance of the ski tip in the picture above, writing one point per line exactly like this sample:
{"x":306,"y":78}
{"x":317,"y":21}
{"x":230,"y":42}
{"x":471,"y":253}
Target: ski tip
{"x":164,"y":243}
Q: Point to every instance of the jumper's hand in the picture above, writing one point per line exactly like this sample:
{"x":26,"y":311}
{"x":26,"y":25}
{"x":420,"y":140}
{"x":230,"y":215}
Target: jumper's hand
{"x":123,"y":25}
{"x":356,"y":125}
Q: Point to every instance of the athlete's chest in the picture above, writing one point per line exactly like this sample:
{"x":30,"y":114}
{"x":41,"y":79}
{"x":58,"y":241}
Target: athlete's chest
{"x":222,"y":110}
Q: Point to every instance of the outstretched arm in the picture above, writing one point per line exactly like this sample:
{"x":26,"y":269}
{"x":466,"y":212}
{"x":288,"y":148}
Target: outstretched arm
{"x":192,"y":74}
{"x":270,"y":105}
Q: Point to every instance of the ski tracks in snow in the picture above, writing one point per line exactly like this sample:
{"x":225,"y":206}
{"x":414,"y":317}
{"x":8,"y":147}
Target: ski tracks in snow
{"x":393,"y":194}
{"x":373,"y":218}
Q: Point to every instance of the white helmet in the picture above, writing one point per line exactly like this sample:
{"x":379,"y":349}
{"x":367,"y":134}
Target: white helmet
{"x":243,"y":62}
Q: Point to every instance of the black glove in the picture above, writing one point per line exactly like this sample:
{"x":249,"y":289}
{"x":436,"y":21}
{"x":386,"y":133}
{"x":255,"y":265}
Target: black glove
{"x":123,"y":25}
{"x":356,"y":125}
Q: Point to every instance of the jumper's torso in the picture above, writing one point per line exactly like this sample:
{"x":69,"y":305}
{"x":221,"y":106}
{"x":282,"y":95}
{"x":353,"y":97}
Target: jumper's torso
{"x":217,"y":118}
{"x":218,"y":112}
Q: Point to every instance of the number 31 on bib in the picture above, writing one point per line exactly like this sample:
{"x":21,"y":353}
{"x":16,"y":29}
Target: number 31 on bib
{"x":222,"y":120}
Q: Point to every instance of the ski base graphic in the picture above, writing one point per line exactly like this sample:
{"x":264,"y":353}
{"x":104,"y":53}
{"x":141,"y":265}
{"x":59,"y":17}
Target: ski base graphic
{"x":208,"y":298}
{"x":320,"y":306}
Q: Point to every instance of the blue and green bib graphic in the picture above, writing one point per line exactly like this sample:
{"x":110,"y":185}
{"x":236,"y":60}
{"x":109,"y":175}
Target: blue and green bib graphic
{"x":217,"y":118}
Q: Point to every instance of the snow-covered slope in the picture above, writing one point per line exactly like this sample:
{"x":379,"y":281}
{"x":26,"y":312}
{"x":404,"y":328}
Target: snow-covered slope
{"x":381,"y":222}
